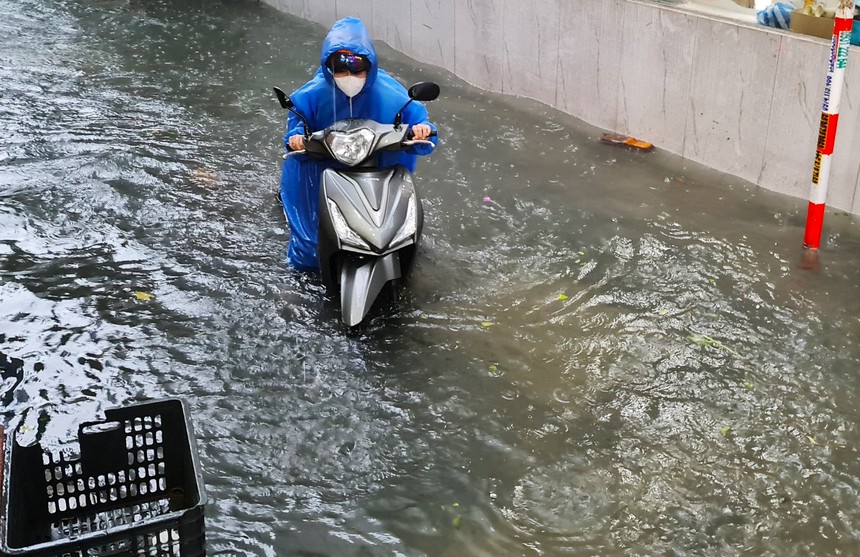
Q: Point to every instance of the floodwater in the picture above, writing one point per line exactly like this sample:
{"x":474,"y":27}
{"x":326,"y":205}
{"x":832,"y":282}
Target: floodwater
{"x":603,"y":352}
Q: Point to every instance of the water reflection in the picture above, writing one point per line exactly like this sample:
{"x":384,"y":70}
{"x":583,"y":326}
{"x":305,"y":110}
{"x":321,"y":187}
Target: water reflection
{"x":603,"y":352}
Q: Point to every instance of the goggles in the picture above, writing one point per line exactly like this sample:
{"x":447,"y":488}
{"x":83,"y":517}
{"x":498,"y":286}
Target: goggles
{"x":348,"y":62}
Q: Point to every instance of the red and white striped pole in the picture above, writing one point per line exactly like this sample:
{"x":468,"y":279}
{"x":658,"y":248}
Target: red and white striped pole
{"x":829,"y":118}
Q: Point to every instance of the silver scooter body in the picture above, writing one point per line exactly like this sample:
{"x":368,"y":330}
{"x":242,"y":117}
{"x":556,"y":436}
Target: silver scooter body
{"x":380,"y":206}
{"x":370,"y":218}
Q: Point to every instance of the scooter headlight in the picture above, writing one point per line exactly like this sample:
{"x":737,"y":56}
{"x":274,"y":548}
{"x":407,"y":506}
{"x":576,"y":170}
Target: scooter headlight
{"x":410,"y":224}
{"x":351,"y":147}
{"x":346,"y":234}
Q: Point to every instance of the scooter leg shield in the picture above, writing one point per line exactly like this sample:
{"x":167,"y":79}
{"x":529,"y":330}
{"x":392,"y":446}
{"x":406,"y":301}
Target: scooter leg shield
{"x":361,"y":282}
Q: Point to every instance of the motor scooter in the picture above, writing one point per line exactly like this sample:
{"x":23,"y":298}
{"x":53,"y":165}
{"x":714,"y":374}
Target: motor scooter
{"x":370,"y":218}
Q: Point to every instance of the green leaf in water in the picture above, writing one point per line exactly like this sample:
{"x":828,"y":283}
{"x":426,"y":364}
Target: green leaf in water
{"x":725,"y":430}
{"x":705,"y":340}
{"x":702,"y":340}
{"x":457,"y":522}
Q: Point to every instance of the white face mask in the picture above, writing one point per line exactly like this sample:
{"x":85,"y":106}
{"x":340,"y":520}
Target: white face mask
{"x":350,"y":84}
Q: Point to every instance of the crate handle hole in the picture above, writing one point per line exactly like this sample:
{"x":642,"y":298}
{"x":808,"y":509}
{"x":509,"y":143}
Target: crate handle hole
{"x":99,"y":427}
{"x":176,"y":498}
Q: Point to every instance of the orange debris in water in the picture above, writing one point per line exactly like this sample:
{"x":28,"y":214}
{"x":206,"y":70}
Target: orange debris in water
{"x":619,"y":139}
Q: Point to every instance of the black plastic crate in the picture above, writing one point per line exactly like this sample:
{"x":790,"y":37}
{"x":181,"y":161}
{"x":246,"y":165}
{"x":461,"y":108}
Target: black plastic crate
{"x":135,"y":490}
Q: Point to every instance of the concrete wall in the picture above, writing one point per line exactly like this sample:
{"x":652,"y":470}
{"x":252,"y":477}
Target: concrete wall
{"x":738,"y":98}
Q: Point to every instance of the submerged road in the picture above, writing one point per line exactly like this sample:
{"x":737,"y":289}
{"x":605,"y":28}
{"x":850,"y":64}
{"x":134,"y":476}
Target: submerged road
{"x":603,"y":351}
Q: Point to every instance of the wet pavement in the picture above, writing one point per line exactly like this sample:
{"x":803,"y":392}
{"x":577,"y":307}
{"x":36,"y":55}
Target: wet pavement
{"x":602,"y":352}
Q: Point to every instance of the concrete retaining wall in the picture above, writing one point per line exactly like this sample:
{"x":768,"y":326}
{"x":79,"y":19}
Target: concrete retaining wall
{"x":738,"y":98}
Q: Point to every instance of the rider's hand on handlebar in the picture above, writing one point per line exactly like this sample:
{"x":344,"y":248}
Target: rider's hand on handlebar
{"x":420,"y":131}
{"x":297,"y":142}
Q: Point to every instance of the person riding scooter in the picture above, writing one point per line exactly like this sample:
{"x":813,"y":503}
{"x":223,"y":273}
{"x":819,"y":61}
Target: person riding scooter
{"x":348,"y":84}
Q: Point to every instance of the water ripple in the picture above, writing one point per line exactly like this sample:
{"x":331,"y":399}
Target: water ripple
{"x":601,"y":352}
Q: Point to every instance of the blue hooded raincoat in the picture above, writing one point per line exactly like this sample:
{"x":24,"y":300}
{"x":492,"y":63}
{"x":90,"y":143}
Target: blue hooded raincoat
{"x":322,"y":103}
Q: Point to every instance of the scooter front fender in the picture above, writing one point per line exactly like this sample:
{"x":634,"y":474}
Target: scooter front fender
{"x":361,"y":281}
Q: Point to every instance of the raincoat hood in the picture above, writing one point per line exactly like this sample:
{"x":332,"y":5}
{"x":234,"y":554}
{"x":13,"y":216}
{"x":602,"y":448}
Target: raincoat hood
{"x":350,"y":34}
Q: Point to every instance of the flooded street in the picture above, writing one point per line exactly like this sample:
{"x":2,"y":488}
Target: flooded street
{"x":602,"y":351}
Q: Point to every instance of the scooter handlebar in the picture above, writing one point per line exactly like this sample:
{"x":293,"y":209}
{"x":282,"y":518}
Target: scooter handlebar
{"x":408,"y":142}
{"x":410,"y":135}
{"x":411,"y":142}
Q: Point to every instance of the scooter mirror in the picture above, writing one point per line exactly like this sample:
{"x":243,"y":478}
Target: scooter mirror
{"x":283,"y":98}
{"x":287,"y":103}
{"x":424,"y":91}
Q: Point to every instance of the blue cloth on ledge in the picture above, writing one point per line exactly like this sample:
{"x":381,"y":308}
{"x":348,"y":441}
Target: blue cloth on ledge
{"x":778,"y":15}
